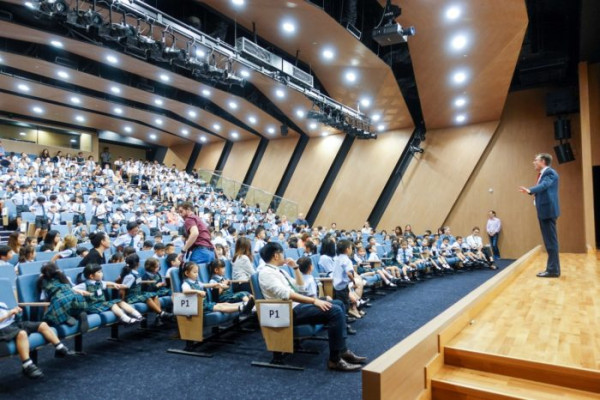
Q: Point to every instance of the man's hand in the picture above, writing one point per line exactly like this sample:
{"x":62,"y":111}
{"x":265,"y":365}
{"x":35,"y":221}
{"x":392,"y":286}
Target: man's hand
{"x":323,"y":305}
{"x":523,"y":189}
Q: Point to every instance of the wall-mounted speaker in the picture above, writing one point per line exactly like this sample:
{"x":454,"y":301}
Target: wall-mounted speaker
{"x":562,"y":129}
{"x":564,"y":153}
{"x":284,"y":130}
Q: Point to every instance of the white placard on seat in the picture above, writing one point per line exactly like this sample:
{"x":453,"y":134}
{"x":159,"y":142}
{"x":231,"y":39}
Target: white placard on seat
{"x":275,"y":315}
{"x":185,"y":304}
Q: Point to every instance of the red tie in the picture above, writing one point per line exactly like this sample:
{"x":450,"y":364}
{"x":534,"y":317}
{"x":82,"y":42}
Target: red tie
{"x":538,"y":178}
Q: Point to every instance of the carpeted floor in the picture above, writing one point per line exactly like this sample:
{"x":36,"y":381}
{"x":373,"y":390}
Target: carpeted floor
{"x":139,"y":366}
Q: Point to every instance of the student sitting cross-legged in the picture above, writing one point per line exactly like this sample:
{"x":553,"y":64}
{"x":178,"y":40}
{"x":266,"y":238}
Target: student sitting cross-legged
{"x":275,"y":283}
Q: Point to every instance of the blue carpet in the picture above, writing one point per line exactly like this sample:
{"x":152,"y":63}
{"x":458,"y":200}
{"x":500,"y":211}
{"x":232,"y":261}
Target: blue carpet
{"x":139,"y":366}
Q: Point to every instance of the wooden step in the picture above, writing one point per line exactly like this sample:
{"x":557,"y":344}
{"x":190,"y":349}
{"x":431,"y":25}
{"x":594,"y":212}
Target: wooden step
{"x":566,"y":376}
{"x":455,"y":383}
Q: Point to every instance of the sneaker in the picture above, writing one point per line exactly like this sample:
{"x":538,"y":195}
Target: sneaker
{"x":391,"y":284}
{"x":63,"y":352}
{"x":83,"y":321}
{"x":33,"y":372}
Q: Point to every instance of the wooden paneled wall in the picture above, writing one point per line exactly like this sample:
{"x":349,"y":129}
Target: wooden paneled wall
{"x":179,"y":155}
{"x":273,"y":164}
{"x":434,"y":180}
{"x":123,"y":151}
{"x":524,"y":131}
{"x":361,"y":179}
{"x":312,"y":169}
{"x":209,"y":156}
{"x":239,"y":159}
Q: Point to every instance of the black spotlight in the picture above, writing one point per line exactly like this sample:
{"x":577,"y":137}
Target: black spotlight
{"x":564,"y":153}
{"x":58,"y":7}
{"x":284,"y":130}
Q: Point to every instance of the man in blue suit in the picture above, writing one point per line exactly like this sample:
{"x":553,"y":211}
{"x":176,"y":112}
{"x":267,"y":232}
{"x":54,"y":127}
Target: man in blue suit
{"x":548,"y":210}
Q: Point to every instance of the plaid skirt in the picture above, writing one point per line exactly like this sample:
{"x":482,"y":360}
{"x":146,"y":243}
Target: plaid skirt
{"x":139,"y":297}
{"x":63,"y":305}
{"x":230,"y":297}
{"x":100,"y":306}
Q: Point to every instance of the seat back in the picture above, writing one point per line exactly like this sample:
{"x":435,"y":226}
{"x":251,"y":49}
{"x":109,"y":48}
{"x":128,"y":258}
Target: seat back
{"x":8,"y":272}
{"x":228,"y":269}
{"x":31,"y":267}
{"x":7,"y":295}
{"x":203,"y":273}
{"x":27,"y":293}
{"x":145,"y":254}
{"x":68,"y":263}
{"x":62,"y":229}
{"x":255,"y":286}
{"x":291,"y":253}
{"x":173,"y":274}
{"x":45,"y":256}
{"x":112,"y":271}
{"x":73,"y":273}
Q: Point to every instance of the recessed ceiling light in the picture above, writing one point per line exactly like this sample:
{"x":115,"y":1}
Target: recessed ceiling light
{"x":185,"y":131}
{"x":203,"y":139}
{"x":56,"y":43}
{"x":376,"y":117}
{"x":75,"y":100}
{"x":164,"y":77}
{"x":365,"y":102}
{"x":115,"y":90}
{"x":22,"y":134}
{"x":280,"y":93}
{"x":192,"y":113}
{"x":80,"y":118}
{"x":238,"y":2}
{"x":216,"y":127}
{"x":158,"y":121}
{"x":300,"y":113}
{"x":453,"y":13}
{"x":205,"y":92}
{"x":200,"y":53}
{"x":271,"y":130}
{"x":354,"y":62}
{"x":350,"y":76}
{"x":153,"y":136}
{"x":288,"y":27}
{"x":245,"y":73}
{"x":112,"y":59}
{"x":73,"y":140}
{"x":128,"y":129}
{"x":459,"y":102}
{"x":233,"y":105}
{"x":23,"y":87}
{"x":38,"y":110}
{"x":63,"y":74}
{"x":313,"y":125}
{"x":458,"y":42}
{"x":29,"y":4}
{"x":324,"y":133}
{"x":380,"y":127}
{"x":235,"y":135}
{"x":461,"y":118}
{"x":328,"y":54}
{"x":158,"y":102}
{"x":118,"y":110}
{"x":252,"y":119}
{"x":459,"y":77}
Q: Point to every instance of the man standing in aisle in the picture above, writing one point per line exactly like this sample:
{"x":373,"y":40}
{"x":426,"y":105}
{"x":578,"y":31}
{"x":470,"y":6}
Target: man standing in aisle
{"x":198,"y":236}
{"x":546,"y":202}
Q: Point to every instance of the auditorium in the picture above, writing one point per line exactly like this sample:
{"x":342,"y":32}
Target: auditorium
{"x":299,"y":199}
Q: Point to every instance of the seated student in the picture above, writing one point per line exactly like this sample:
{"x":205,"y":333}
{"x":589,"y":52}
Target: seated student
{"x":309,"y":248}
{"x":152,"y":273}
{"x":242,"y":266}
{"x":483,"y":253}
{"x":66,"y":302}
{"x":6,"y":254}
{"x":259,"y":241}
{"x":428,"y":256}
{"x":370,"y":274}
{"x":67,"y":249}
{"x":96,"y":302}
{"x":446,"y":251}
{"x":277,"y":284}
{"x":343,"y":276}
{"x":374,"y":259}
{"x":327,"y":256}
{"x":117,"y":257}
{"x":220,"y":252}
{"x":169,"y":249}
{"x":436,"y":256}
{"x":224,"y":291}
{"x":115,"y":230}
{"x":147,"y":244}
{"x":419,"y":263}
{"x":159,"y":251}
{"x":26,"y":254}
{"x":130,"y":277}
{"x":51,"y":241}
{"x":11,"y":328}
{"x":191,"y":284}
{"x":311,"y":287}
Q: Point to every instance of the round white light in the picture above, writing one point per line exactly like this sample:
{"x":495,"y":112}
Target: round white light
{"x":376,"y":117}
{"x":233,"y":105}
{"x":192,"y":113}
{"x":300,"y":113}
{"x":205,"y":92}
{"x":252,"y":119}
{"x":128,"y":129}
{"x":112,"y":59}
{"x":203,"y":139}
{"x":271,"y":131}
{"x":75,"y":100}
{"x":461,"y":101}
{"x":328,"y":54}
{"x":280,"y":93}
{"x":461,"y":118}
{"x":216,"y":127}
{"x":118,"y":110}
{"x":38,"y":110}
{"x":63,"y":74}
{"x":22,"y":134}
{"x":313,"y":125}
{"x":235,"y":135}
{"x":200,"y":53}
{"x":185,"y":132}
{"x":80,"y":118}
{"x":158,"y":102}
{"x":458,"y":42}
{"x":350,"y":76}
{"x":459,"y":77}
{"x":158,"y":121}
{"x":365,"y":102}
{"x":354,"y":62}
{"x":238,"y":2}
{"x":380,"y":127}
{"x":453,"y":13}
{"x":164,"y":77}
{"x":288,"y":27}
{"x":324,"y":133}
{"x":56,"y":43}
{"x":23,"y":87}
{"x":115,"y":90}
{"x":153,"y":136}
{"x":245,"y":73}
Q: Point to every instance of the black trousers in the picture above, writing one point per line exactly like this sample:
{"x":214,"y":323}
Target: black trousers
{"x":549,"y":234}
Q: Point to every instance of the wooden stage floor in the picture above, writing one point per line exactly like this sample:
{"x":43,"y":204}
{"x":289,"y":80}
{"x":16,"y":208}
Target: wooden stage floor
{"x":553,"y":321}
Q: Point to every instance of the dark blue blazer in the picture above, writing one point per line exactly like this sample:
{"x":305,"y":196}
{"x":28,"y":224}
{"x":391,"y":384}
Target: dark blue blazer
{"x":546,"y":195}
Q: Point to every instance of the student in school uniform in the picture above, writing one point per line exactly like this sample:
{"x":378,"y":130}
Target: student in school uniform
{"x":343,"y":276}
{"x":78,"y":209}
{"x":40,"y":211}
{"x":99,"y":212}
{"x":223,"y":288}
{"x":326,"y":261}
{"x":131,"y":238}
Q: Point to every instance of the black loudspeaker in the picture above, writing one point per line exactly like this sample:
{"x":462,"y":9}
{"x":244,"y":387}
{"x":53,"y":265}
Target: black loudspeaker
{"x":564,"y":153}
{"x":562,"y":129}
{"x":284,"y":130}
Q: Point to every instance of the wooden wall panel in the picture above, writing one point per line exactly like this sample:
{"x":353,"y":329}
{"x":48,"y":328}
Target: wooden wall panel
{"x":361,"y":180}
{"x":209,"y":156}
{"x":32,"y":148}
{"x":524,"y":131}
{"x":123,"y":151}
{"x":436,"y":177}
{"x":239,"y":160}
{"x":179,"y":155}
{"x":273,"y":164}
{"x":311,"y":170}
